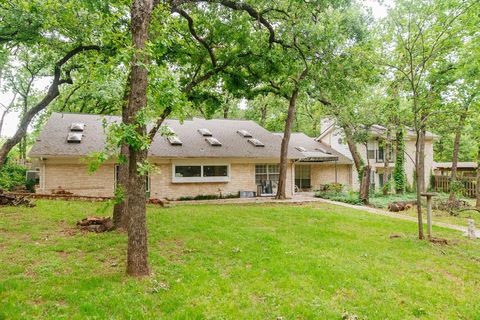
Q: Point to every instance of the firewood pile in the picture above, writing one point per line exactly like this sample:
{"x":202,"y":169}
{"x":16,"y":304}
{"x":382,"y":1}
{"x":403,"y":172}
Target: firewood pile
{"x":96,"y":224}
{"x":14,"y":200}
{"x":401,"y":206}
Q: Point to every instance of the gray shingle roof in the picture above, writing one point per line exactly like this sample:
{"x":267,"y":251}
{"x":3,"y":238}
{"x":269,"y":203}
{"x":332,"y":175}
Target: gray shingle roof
{"x":52,"y":140}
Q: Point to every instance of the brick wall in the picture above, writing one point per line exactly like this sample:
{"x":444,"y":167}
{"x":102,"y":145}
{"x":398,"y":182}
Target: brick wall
{"x":325,"y":173}
{"x":74,"y":177}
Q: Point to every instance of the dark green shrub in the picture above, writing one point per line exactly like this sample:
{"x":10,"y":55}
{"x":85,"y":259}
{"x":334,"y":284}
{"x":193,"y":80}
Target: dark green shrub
{"x":12,"y":175}
{"x":30,"y":185}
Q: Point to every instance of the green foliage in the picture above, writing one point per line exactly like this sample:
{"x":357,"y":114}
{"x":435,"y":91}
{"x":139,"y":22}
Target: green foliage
{"x":209,"y":197}
{"x":399,"y":176}
{"x":347,"y":197}
{"x":332,"y":187}
{"x":12,"y":175}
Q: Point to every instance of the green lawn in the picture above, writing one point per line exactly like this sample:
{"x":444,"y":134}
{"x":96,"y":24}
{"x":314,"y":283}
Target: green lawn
{"x":234,"y":262}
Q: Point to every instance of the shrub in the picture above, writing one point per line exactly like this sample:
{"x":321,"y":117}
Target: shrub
{"x":12,"y":175}
{"x":351,"y":197}
{"x":332,"y":187}
{"x":208,"y":197}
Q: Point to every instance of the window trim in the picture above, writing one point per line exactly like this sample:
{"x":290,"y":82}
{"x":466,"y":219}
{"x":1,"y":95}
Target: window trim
{"x":202,"y":178}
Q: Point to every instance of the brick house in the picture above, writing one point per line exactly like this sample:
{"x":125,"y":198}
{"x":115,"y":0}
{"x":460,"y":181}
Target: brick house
{"x":199,"y":157}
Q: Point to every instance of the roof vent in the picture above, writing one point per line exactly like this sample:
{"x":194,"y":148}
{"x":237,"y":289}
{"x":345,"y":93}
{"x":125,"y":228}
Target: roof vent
{"x":256,"y":142}
{"x":74,"y":137}
{"x":77,"y":126}
{"x":205,"y":132}
{"x":301,"y":149}
{"x":244,"y":133}
{"x":214,"y":142}
{"x":174,"y":141}
{"x":323,"y":150}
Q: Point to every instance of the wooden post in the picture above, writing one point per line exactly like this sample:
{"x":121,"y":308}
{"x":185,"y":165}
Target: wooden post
{"x":429,"y":197}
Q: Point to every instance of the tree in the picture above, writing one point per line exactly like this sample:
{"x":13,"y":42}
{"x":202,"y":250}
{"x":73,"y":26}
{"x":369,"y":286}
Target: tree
{"x":65,"y":45}
{"x":419,"y":35}
{"x":53,"y":92}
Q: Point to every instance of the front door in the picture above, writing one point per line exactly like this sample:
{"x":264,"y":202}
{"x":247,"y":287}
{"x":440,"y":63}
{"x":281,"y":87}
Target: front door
{"x":303,"y":177}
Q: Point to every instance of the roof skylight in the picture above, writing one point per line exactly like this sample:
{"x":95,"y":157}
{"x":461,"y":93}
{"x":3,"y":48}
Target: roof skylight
{"x":174,"y":140}
{"x":256,"y":142}
{"x":323,"y":150}
{"x":301,"y":149}
{"x":77,"y":126}
{"x":74,"y":137}
{"x":214,"y":142}
{"x":205,"y":132}
{"x":245,"y":133}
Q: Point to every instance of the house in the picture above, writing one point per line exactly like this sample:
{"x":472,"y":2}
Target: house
{"x":198,"y":157}
{"x":374,"y":153}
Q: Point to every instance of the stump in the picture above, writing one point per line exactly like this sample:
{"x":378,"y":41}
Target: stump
{"x":96,"y":224}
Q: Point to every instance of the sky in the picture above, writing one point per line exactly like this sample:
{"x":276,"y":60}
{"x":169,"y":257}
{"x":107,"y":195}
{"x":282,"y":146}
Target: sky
{"x":11,"y":120}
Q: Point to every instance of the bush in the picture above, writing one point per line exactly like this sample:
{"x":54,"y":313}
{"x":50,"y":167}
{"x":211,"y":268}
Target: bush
{"x":332,"y":187}
{"x":208,"y":197}
{"x":351,"y":197}
{"x":12,"y":175}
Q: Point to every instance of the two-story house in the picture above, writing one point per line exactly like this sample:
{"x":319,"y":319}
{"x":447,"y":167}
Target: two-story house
{"x":374,"y":154}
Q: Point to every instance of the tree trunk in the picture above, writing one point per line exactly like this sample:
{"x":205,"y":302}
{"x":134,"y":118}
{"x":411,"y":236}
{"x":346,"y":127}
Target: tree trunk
{"x":263,"y":115}
{"x":137,"y":251}
{"x":478,"y":178}
{"x":120,"y":208}
{"x":365,"y":184}
{"x":419,"y":175}
{"x":456,"y":147}
{"x":282,"y":180}
{"x":386,"y":161}
{"x":364,"y":171}
{"x":120,"y":214}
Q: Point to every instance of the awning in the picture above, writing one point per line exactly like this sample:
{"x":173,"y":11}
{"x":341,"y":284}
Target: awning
{"x":317,"y":156}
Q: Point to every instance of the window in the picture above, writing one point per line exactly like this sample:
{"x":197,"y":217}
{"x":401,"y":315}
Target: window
{"x":77,"y":126}
{"x":266,"y":176}
{"x":244,"y":133}
{"x":371,"y":154}
{"x":340,"y":141}
{"x":205,"y":132}
{"x":302,"y":177}
{"x":188,"y":171}
{"x":201,"y":173}
{"x":74,"y":137}
{"x":117,"y":178}
{"x":256,"y":142}
{"x":215,"y":171}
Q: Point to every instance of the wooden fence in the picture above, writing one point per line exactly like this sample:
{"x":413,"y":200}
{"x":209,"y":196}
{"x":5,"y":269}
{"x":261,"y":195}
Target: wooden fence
{"x":442,"y":184}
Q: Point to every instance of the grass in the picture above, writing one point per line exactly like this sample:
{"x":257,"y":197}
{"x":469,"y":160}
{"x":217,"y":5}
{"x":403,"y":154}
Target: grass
{"x":234,"y":262}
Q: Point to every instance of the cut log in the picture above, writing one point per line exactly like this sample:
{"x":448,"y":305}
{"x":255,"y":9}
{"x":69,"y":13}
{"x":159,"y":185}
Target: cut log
{"x":96,"y":224}
{"x":14,"y":200}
